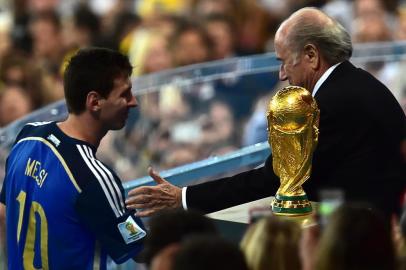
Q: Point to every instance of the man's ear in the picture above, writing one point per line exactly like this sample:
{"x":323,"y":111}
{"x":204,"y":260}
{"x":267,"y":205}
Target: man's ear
{"x":312,"y":55}
{"x":93,"y":101}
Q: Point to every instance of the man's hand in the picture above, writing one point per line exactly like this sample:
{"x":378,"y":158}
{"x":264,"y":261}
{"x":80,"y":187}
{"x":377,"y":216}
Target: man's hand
{"x":149,"y":200}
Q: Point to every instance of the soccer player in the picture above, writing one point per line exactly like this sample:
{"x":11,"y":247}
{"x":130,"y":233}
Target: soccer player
{"x":65,"y":208}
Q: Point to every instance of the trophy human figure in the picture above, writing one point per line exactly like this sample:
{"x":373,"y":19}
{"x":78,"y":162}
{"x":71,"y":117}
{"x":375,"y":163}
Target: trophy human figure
{"x":293,"y":119}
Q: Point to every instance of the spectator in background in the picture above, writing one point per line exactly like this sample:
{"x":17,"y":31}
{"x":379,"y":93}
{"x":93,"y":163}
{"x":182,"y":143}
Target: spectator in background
{"x":222,"y":33}
{"x":14,"y":104}
{"x":164,"y":259}
{"x":13,"y":68}
{"x":179,"y":154}
{"x":370,"y":10}
{"x":308,"y":245}
{"x":48,"y":52}
{"x":172,"y":227}
{"x":375,"y":29}
{"x":150,"y":52}
{"x":220,"y":127}
{"x":205,"y":252}
{"x":16,"y":69}
{"x":86,"y":27}
{"x":250,"y":18}
{"x":272,"y":243}
{"x":371,"y":24}
{"x":45,"y":29}
{"x":253,"y":35}
{"x":190,"y":44}
{"x":165,"y":23}
{"x":356,"y":237}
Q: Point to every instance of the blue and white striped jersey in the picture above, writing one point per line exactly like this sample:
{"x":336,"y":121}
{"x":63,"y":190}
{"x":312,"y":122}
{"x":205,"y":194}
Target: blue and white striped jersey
{"x":64,"y":208}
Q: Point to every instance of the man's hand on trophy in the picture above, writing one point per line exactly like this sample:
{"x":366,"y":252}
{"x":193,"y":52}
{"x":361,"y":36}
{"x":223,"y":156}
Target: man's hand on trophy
{"x":151,"y":199}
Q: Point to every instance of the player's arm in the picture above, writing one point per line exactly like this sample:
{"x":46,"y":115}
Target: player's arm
{"x":103,"y":212}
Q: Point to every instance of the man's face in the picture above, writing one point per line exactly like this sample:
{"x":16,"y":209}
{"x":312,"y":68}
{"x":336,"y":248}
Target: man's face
{"x":116,"y":106}
{"x":191,"y":49}
{"x":292,"y":67}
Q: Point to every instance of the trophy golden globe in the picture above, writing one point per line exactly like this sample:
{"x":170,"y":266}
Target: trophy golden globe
{"x":293,"y":119}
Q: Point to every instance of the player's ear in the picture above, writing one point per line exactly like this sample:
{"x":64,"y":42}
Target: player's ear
{"x":93,"y":101}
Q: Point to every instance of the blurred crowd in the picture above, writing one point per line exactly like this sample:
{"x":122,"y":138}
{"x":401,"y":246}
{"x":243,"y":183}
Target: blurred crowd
{"x":173,"y":125}
{"x":355,"y":237}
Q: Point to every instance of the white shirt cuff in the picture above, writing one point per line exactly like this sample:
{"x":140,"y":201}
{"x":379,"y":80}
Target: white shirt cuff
{"x":184,"y":198}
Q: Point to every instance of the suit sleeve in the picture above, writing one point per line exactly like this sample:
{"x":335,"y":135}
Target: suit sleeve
{"x":230,"y":191}
{"x":121,"y":235}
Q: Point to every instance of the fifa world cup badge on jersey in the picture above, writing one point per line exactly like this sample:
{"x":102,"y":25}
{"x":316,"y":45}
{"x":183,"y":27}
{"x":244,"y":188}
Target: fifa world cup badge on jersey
{"x":130,"y":231}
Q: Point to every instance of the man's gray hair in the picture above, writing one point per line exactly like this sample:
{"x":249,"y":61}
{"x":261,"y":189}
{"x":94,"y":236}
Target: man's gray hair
{"x":330,"y":37}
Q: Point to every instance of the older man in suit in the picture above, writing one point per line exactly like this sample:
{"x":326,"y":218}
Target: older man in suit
{"x":361,"y":129}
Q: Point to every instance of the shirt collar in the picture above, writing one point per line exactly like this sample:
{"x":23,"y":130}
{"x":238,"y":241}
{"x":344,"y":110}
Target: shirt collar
{"x":323,"y":78}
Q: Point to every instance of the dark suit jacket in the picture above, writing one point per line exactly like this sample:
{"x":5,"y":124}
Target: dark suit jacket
{"x":361,"y":129}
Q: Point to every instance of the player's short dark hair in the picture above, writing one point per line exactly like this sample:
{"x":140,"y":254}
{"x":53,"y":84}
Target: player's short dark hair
{"x":92,"y":69}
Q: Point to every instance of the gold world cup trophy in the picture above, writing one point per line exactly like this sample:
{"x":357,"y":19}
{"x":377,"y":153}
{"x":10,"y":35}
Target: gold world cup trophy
{"x":293,"y":120}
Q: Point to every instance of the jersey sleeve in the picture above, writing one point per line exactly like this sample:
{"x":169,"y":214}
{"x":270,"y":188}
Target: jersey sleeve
{"x":119,"y":231}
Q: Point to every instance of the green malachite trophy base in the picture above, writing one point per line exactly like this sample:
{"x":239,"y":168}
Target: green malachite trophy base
{"x":291,"y":205}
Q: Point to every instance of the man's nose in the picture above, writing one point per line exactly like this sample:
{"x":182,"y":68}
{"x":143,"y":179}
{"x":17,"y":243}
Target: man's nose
{"x":133,"y":102}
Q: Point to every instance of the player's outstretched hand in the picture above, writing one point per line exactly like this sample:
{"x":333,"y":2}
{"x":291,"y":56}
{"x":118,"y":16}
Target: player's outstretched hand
{"x":151,"y":199}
